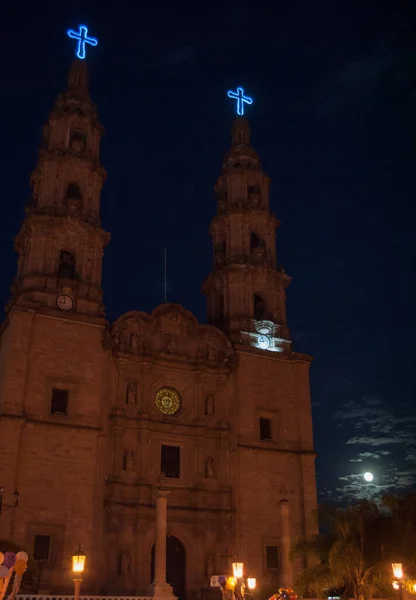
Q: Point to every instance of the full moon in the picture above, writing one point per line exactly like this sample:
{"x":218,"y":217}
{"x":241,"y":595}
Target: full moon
{"x":368,"y":476}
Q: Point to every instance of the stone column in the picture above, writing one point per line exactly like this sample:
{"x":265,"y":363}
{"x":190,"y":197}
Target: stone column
{"x":286,"y":575}
{"x":160,"y":589}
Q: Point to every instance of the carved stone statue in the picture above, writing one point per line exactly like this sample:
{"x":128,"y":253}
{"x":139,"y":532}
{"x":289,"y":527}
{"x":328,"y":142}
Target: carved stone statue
{"x":210,"y":405}
{"x":131,"y":394}
{"x":225,"y":356}
{"x":172,"y":345}
{"x":125,"y":566}
{"x":141,"y":346}
{"x":128,"y":460}
{"x":209,"y":566}
{"x":134,"y":341}
{"x":209,"y":468}
{"x":211,"y":354}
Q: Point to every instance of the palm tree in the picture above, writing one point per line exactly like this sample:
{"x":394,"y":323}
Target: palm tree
{"x":348,"y":554}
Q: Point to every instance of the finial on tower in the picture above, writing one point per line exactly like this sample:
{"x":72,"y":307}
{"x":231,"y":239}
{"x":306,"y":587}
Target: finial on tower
{"x":78,"y":77}
{"x":82,"y":38}
{"x":241,"y":99}
{"x":240,"y":133}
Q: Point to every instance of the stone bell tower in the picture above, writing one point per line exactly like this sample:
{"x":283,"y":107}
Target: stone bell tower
{"x":61,"y":242}
{"x":246,"y":288}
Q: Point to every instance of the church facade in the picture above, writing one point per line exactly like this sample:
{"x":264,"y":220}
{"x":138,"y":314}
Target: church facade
{"x":95,"y":416}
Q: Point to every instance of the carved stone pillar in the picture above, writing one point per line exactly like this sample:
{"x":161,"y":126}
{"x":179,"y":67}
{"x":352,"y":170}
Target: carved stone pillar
{"x":286,"y":575}
{"x":160,"y":589}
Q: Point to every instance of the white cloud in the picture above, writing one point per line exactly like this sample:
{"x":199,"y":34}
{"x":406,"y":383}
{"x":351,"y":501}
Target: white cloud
{"x":384,"y":431}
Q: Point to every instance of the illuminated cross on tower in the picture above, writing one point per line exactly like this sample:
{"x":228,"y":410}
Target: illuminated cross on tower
{"x":82,"y":37}
{"x":241,"y":99}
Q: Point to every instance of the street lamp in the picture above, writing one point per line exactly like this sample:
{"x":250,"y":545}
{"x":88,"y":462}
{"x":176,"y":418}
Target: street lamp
{"x":397,"y":570}
{"x":238,"y":569}
{"x":398,"y":573}
{"x":78,"y":565}
{"x":251,"y":583}
{"x":238,"y":582}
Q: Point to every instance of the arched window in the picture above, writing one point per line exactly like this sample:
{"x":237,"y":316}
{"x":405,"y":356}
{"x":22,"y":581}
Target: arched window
{"x":78,"y":141}
{"x":73,"y":194}
{"x":255,"y":241}
{"x":220,"y":307}
{"x":66,"y":269}
{"x":220,"y":249}
{"x":260,"y":308}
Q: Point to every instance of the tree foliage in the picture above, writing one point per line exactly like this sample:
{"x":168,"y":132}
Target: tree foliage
{"x":356,"y":547}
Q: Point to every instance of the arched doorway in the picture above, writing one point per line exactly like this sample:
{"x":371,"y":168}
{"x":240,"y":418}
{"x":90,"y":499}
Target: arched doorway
{"x":175,"y":566}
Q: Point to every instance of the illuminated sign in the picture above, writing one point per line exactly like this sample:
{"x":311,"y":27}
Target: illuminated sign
{"x":241,"y":99}
{"x":82,"y":37}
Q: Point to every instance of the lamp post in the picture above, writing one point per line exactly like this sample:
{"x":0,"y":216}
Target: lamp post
{"x":398,"y":574}
{"x":242,"y":582}
{"x":78,"y":565}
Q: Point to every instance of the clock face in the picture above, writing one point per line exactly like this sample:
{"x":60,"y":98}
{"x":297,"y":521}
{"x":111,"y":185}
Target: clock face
{"x":263,"y":342}
{"x":168,"y":401}
{"x":64,"y":302}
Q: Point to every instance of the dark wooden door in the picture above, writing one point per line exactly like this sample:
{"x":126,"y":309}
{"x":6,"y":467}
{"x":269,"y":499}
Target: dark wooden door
{"x":175,"y":566}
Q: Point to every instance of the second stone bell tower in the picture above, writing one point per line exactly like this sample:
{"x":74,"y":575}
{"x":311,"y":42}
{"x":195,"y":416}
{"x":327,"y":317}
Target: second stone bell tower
{"x":246,"y":287}
{"x":61,"y":242}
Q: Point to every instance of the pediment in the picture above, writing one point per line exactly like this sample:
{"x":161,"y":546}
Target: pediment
{"x":170,"y":333}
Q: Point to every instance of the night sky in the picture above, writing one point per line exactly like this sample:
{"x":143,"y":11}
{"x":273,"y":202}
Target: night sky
{"x":334,"y":122}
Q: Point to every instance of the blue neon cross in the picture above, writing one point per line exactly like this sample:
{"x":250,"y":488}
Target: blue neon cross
{"x":82,"y":37}
{"x":241,"y":99}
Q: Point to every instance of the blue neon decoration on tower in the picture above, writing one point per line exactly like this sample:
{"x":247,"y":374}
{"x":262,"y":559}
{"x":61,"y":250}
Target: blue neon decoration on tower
{"x":241,"y":99}
{"x":83,"y":39}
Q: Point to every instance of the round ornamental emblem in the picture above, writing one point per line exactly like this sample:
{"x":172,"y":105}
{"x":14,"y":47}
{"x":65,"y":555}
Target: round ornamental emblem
{"x":168,"y":401}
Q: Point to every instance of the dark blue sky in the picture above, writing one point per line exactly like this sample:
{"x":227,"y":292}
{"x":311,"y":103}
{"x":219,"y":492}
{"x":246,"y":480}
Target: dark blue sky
{"x":334,"y":88}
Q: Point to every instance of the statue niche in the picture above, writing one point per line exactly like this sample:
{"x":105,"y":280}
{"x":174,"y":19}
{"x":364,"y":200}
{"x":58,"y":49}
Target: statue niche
{"x":66,"y":268}
{"x":77,"y":141}
{"x":124,"y":568}
{"x":209,"y":566}
{"x":210,"y":405}
{"x":128,"y":460}
{"x":209,"y":468}
{"x":131,"y":394}
{"x":172,"y":345}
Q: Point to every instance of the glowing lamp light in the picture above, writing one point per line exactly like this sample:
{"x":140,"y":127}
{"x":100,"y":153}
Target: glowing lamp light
{"x":397,"y":570}
{"x":237,"y":569}
{"x":241,"y":99}
{"x":82,"y":37}
{"x":414,"y":587}
{"x":251,"y":583}
{"x":78,"y":561}
{"x":396,"y":585}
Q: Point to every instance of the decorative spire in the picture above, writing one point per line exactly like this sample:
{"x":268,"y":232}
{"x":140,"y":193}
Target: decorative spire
{"x":76,"y":98}
{"x":241,"y":155}
{"x":240,"y":133}
{"x":78,"y":78}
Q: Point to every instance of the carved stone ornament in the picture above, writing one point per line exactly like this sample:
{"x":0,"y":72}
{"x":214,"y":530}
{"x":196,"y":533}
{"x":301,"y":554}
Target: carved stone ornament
{"x":131,"y":394}
{"x":210,"y":405}
{"x":171,"y":332}
{"x":209,"y":468}
{"x":168,"y":401}
{"x":128,"y":460}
